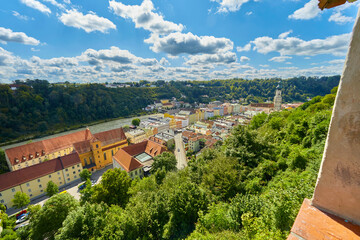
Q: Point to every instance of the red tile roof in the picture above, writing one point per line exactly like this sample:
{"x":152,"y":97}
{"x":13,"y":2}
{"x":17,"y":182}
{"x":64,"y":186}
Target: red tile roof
{"x":48,"y":146}
{"x":12,"y":179}
{"x":80,"y":140}
{"x":126,"y":156}
{"x":111,"y":136}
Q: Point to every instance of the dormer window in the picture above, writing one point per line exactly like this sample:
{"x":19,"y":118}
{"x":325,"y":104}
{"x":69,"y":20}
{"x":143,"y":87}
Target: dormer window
{"x":30,"y":156}
{"x":37,"y":154}
{"x":24,"y":158}
{"x":16,"y":160}
{"x":43,"y":152}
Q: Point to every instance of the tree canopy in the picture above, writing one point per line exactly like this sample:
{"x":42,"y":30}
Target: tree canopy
{"x":51,"y":189}
{"x":20,"y":200}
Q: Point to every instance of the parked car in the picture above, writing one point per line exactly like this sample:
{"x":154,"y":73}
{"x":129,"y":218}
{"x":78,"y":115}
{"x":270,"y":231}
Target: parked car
{"x":22,"y":219}
{"x":93,"y":182}
{"x":178,"y":149}
{"x":20,"y":226}
{"x":19,"y":215}
{"x":82,"y":186}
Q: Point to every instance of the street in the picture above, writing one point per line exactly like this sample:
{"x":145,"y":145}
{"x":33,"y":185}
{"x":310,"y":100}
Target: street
{"x":180,"y":155}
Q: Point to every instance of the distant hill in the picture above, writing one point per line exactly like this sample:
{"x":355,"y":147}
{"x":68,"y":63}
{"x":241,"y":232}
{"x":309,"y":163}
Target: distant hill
{"x":37,"y":107}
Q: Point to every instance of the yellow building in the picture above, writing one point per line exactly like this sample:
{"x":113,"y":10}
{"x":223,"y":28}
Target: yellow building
{"x":216,"y":112}
{"x":95,"y":150}
{"x":136,"y":136}
{"x":164,"y":101}
{"x":33,"y":180}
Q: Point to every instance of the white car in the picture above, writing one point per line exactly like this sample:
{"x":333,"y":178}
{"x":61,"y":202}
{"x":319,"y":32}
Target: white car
{"x":22,"y":219}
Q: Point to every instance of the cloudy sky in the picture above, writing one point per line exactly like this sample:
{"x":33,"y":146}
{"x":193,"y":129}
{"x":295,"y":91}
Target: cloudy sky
{"x":122,"y":40}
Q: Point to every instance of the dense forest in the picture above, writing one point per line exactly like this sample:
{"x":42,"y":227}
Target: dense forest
{"x":39,"y":108}
{"x":249,"y":187}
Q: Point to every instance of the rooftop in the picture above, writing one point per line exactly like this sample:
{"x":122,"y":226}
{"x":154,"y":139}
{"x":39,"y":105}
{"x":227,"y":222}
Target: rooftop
{"x":12,"y":179}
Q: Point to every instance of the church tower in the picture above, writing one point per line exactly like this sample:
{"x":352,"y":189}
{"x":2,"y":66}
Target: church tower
{"x":277,"y":99}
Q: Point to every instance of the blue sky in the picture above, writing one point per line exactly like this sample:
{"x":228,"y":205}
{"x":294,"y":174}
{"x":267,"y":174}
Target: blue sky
{"x":131,"y":40}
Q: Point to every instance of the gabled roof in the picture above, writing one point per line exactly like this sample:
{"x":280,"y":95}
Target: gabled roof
{"x":12,"y":179}
{"x":126,"y":156}
{"x":111,"y":136}
{"x":46,"y":146}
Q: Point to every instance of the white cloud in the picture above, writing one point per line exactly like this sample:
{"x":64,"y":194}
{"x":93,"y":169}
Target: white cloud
{"x":280,"y":59}
{"x":244,"y":59}
{"x":337,"y":61}
{"x":309,"y":11}
{"x":178,"y":43}
{"x":7,"y":35}
{"x":5,"y":57}
{"x":204,"y":59}
{"x":337,"y":17}
{"x":36,"y":5}
{"x":336,"y":45}
{"x":144,"y":17}
{"x":89,"y":22}
{"x":55,"y":3}
{"x":230,"y":5}
{"x":285,"y":34}
{"x":164,"y":61}
{"x":264,"y":65}
{"x":35,"y":50}
{"x":22,"y":17}
{"x":60,"y":62}
{"x":246,"y":48}
{"x":249,"y":13}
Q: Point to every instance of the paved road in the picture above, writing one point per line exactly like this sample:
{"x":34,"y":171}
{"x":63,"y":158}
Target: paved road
{"x":180,"y":152}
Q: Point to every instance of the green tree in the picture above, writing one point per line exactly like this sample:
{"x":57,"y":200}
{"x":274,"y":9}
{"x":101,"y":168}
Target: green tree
{"x":3,"y":164}
{"x":51,"y":189}
{"x":85,"y":174}
{"x":166,"y":161}
{"x":46,"y":222}
{"x":113,"y":188}
{"x":2,"y":208}
{"x":135,"y":122}
{"x":84,"y":222}
{"x":20,"y":200}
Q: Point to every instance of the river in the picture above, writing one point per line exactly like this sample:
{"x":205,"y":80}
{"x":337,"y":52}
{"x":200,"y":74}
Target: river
{"x":101,"y":127}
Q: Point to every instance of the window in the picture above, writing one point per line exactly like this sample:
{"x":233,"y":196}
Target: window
{"x":99,"y":156}
{"x":13,"y":190}
{"x":29,"y":190}
{"x":79,"y":170}
{"x":98,"y":151}
{"x":68,"y":179}
{"x":60,"y":182}
{"x":131,"y":174}
{"x":75,"y":176}
{"x":59,"y":178}
{"x":78,"y":165}
{"x":58,"y":173}
{"x":73,"y":167}
{"x":97,"y":146}
{"x":41,"y":190}
{"x":73,"y":172}
{"x":2,"y":201}
{"x":30,"y":195}
{"x":66,"y":170}
{"x":104,"y":156}
{"x":112,"y":152}
{"x":40,"y":186}
{"x":67,"y":175}
{"x":135,"y":172}
{"x":49,"y":176}
{"x":86,"y":161}
{"x":28,"y":184}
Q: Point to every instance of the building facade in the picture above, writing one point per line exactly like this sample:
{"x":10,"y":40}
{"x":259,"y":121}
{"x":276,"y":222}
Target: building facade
{"x":33,"y":179}
{"x":277,"y":100}
{"x":95,"y":150}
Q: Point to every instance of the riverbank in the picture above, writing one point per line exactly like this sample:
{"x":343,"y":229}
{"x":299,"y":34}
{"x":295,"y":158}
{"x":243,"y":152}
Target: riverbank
{"x":94,"y":127}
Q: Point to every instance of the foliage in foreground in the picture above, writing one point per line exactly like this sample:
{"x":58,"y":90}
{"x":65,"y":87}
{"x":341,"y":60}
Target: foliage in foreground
{"x":251,"y":187}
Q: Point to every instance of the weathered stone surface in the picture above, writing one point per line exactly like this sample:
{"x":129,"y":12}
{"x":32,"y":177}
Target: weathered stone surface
{"x":338,"y":188}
